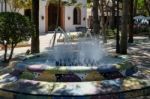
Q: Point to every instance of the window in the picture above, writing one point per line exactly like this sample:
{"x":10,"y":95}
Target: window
{"x":77,"y":16}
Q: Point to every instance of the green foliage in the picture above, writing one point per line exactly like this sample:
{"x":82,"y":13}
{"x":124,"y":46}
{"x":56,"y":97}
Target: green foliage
{"x":140,"y":4}
{"x":89,"y":3}
{"x":66,"y":3}
{"x":19,"y":4}
{"x":141,"y":8}
{"x":14,"y":28}
{"x":111,"y":33}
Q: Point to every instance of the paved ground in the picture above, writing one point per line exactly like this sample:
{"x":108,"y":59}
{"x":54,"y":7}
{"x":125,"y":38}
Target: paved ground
{"x":139,"y":52}
{"x":140,"y":56}
{"x":45,"y":41}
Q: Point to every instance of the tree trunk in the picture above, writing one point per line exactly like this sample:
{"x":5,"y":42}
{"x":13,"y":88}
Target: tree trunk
{"x":118,"y":29}
{"x":135,"y":7}
{"x":35,"y":46}
{"x":5,"y":2}
{"x":5,"y":53}
{"x":124,"y":33}
{"x":103,"y":25}
{"x":131,"y":21}
{"x":11,"y":52}
{"x":112,"y":21}
{"x":96,"y":25}
{"x":147,"y":5}
{"x":1,"y":5}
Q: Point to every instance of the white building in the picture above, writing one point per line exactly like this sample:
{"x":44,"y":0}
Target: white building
{"x":70,"y":17}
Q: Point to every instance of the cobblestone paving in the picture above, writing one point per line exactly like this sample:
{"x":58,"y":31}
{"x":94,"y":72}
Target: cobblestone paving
{"x":139,"y":53}
{"x":140,"y":56}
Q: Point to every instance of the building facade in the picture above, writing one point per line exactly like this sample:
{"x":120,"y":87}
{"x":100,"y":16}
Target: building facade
{"x":68,"y":18}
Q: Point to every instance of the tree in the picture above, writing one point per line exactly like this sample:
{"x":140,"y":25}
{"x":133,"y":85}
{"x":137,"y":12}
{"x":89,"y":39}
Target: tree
{"x":35,"y":48}
{"x":2,"y":5}
{"x":96,"y":22}
{"x":5,"y":2}
{"x":112,"y":21}
{"x":19,"y":30}
{"x":124,"y":33}
{"x":104,"y":10}
{"x":140,"y":7}
{"x":147,"y":5}
{"x":135,"y":7}
{"x":118,"y":29}
{"x":16,"y":5}
{"x":89,"y":3}
{"x":131,"y":21}
{"x":35,"y":41}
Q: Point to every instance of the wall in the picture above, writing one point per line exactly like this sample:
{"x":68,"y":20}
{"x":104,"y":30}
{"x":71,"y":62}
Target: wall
{"x":42,"y":24}
{"x":69,"y":26}
{"x":68,"y":13}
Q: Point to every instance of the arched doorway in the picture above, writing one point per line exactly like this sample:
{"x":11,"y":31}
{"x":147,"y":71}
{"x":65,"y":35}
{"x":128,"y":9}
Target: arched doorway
{"x":52,"y":16}
{"x":77,"y":16}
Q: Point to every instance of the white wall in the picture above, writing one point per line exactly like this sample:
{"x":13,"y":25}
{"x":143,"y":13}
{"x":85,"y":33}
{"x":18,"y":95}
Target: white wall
{"x":42,"y":13}
{"x":69,"y":26}
{"x":2,"y":6}
{"x":68,"y":23}
{"x":68,"y":13}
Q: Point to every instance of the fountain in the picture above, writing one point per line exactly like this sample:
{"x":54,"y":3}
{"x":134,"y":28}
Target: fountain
{"x":83,"y":62}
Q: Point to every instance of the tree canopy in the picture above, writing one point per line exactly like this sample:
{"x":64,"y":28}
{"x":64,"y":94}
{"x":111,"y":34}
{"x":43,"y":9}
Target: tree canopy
{"x":16,"y":5}
{"x":20,"y":29}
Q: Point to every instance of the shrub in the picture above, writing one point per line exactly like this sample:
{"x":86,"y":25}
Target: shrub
{"x":14,"y":28}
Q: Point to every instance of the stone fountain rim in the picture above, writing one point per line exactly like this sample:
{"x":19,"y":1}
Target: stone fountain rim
{"x":36,"y":93}
{"x":79,"y":69}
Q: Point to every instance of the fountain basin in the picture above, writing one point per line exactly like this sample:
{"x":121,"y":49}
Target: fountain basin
{"x":35,"y":68}
{"x":30,"y":68}
{"x":107,"y":89}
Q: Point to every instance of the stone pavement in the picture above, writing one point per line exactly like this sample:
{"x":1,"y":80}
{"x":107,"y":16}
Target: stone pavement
{"x":44,"y":43}
{"x":140,"y":48}
{"x":139,"y":52}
